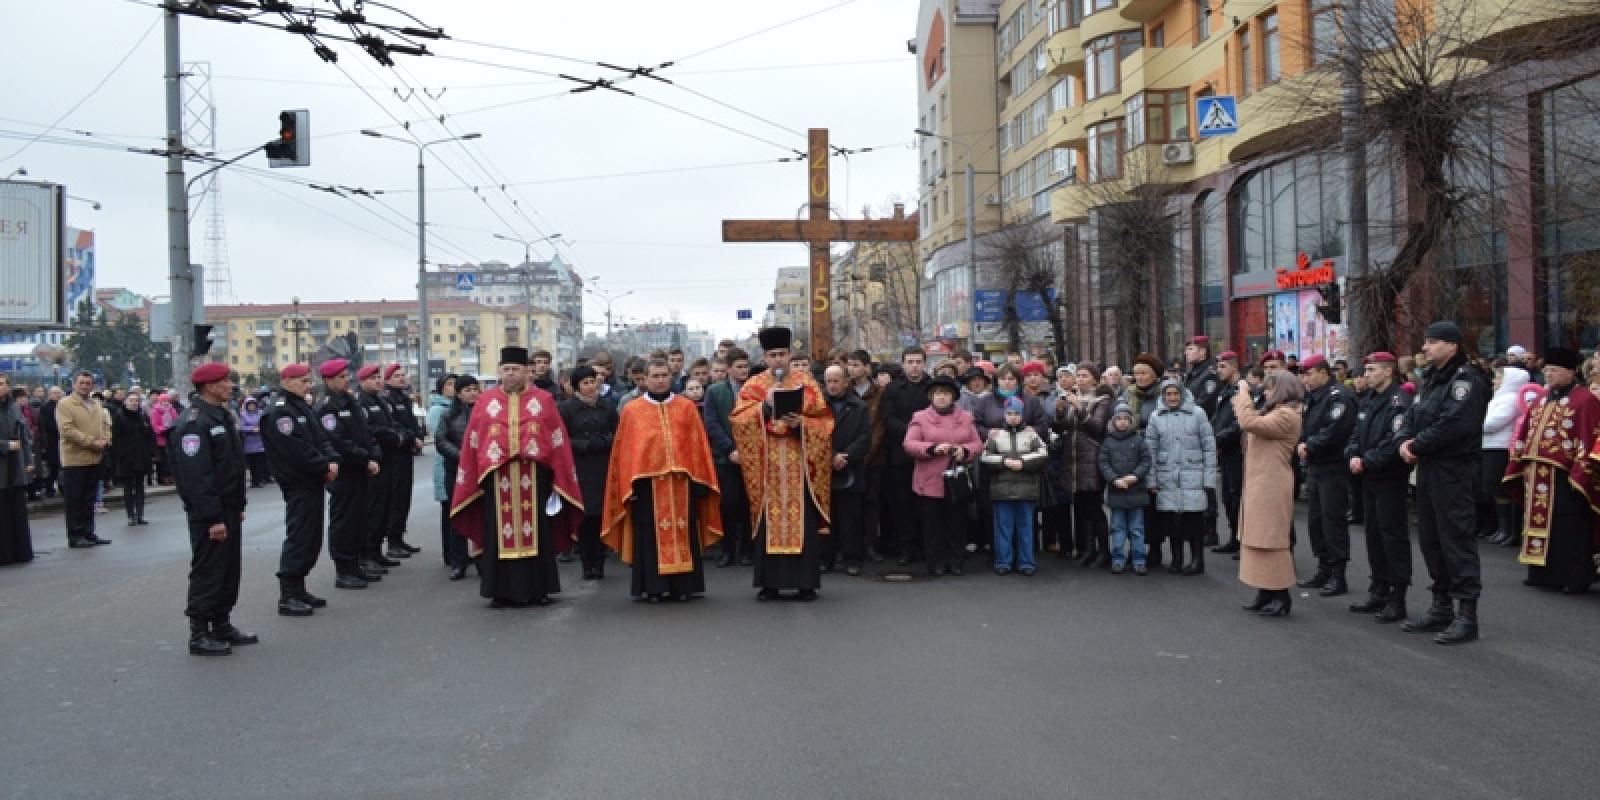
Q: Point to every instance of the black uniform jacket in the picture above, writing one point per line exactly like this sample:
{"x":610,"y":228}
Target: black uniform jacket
{"x":208,"y":463}
{"x":298,"y":449}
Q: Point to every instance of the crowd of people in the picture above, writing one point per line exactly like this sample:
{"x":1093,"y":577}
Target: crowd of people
{"x":798,"y":467}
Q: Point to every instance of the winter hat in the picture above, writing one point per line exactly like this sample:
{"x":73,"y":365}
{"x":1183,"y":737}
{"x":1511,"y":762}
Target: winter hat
{"x":1122,"y":410}
{"x":1013,"y":405}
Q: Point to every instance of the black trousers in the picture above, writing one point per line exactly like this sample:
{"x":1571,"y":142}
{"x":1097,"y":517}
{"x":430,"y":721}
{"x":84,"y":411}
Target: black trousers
{"x":1155,"y":530}
{"x":133,"y":495}
{"x":401,"y":472}
{"x":900,"y":500}
{"x":1230,"y":468}
{"x":847,"y":533}
{"x":943,"y":532}
{"x":77,"y":489}
{"x":735,"y":505}
{"x":258,"y":467}
{"x":1491,"y":470}
{"x":347,"y":515}
{"x":1180,"y":528}
{"x":375,"y":514}
{"x":1326,"y":513}
{"x":871,"y":503}
{"x":591,"y":550}
{"x":302,"y":522}
{"x":1388,"y":528}
{"x":1447,"y":525}
{"x":452,"y":545}
{"x":1358,"y":506}
{"x":214,"y":569}
{"x":1090,"y":530}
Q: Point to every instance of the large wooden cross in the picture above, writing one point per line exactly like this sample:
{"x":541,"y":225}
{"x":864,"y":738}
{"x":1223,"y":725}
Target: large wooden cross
{"x":820,"y":231}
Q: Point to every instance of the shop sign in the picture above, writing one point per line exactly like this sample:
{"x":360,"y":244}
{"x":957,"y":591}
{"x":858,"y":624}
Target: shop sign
{"x":1306,"y":274}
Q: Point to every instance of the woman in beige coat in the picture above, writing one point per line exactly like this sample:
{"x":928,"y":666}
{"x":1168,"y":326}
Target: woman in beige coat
{"x":1266,"y":512}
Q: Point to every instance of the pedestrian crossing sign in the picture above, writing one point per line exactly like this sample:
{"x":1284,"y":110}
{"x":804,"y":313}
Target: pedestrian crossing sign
{"x":1218,"y":115}
{"x":466,"y":281}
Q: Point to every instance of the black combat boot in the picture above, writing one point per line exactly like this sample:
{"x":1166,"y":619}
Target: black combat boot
{"x":1319,"y":579}
{"x":223,"y":630}
{"x":1336,"y":584}
{"x":202,"y":643}
{"x":1395,"y":609}
{"x":1465,"y":626}
{"x":307,"y":597}
{"x":1377,"y":598}
{"x":1439,"y":617}
{"x":289,"y":602}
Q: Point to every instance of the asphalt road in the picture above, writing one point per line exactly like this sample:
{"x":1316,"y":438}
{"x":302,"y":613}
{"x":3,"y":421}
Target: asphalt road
{"x":1072,"y":684}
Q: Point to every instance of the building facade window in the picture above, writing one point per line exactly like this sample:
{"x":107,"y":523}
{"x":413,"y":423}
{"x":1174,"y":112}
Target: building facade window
{"x":1271,"y":57}
{"x":1247,"y":67}
{"x":1093,"y":6}
{"x":1103,"y":72}
{"x":1298,"y":206}
{"x":1569,"y":216}
{"x":1202,"y":20}
{"x":1157,"y":117}
{"x":1324,"y":31}
{"x":1158,"y":35}
{"x":1061,"y":95}
{"x":1105,"y":151}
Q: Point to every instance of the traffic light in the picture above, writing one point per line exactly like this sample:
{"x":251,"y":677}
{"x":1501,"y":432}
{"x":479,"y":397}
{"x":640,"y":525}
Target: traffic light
{"x":292,"y":148}
{"x":1332,"y":308}
{"x":202,"y":341}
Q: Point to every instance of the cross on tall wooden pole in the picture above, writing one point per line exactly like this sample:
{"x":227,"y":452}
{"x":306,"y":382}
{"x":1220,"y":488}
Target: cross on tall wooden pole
{"x":820,"y":231}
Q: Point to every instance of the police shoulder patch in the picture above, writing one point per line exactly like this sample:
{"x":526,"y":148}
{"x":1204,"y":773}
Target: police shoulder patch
{"x":329,"y":421}
{"x":191,"y":444}
{"x":1337,"y":412}
{"x":1460,"y":389}
{"x":285,"y":425}
{"x":1398,"y":421}
{"x":1211,"y":386}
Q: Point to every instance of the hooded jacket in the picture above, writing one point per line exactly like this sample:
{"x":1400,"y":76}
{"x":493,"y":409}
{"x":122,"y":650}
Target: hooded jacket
{"x":1184,"y":452}
{"x":1124,"y":453}
{"x":1501,"y":420}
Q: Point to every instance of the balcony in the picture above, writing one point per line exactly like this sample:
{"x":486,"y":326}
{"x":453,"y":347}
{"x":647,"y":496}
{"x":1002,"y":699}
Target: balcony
{"x":1508,"y":32}
{"x":1285,"y":114}
{"x":1168,"y":68}
{"x":1104,"y":23}
{"x":1142,"y":10}
{"x":1067,"y":128}
{"x":264,"y":329}
{"x":1072,"y":202}
{"x":1065,"y":50}
{"x":266,"y":346}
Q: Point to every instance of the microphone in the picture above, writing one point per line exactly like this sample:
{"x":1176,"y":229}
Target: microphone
{"x":777,"y":374}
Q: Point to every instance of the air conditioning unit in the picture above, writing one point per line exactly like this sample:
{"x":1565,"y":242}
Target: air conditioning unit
{"x":1177,"y":153}
{"x":991,"y":199}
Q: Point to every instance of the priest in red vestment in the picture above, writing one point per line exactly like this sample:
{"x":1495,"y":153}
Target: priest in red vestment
{"x":1553,"y":468}
{"x":662,"y":503}
{"x":788,"y":474}
{"x":516,"y":496}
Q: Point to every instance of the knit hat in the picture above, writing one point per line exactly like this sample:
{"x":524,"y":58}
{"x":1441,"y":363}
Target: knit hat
{"x":1013,"y":405}
{"x":1445,"y":331}
{"x":1150,"y":361}
{"x":1122,"y":409}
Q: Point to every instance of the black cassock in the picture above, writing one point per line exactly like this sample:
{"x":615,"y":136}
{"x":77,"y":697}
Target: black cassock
{"x":1569,"y":563}
{"x":647,"y":579}
{"x":518,"y":580}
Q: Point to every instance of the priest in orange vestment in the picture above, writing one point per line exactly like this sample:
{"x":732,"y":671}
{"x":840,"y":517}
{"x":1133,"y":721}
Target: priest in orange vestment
{"x":788,"y":472}
{"x":516,"y":496}
{"x":662,"y":504}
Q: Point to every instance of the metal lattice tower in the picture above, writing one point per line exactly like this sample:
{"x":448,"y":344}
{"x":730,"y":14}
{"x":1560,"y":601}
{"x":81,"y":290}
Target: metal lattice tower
{"x":200,"y":135}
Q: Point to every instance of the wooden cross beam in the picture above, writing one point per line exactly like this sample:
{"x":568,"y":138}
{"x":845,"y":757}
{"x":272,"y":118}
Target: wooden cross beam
{"x":820,"y":231}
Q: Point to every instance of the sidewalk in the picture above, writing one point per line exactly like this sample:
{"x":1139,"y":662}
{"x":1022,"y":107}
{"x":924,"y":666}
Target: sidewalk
{"x":112,"y":499}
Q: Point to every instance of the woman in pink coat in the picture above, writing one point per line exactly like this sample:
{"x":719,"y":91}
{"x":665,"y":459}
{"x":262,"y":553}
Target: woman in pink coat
{"x":162,"y":418}
{"x":939,"y":437}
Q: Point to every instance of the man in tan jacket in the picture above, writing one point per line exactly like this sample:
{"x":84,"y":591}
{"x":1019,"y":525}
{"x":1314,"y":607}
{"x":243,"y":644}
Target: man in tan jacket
{"x":85,"y":435}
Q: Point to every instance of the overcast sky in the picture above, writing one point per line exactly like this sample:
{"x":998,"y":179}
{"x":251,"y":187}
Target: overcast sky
{"x":846,"y":68}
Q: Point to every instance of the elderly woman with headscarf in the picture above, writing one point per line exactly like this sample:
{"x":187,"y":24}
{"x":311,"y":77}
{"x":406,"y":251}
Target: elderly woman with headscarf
{"x":1266,"y":511}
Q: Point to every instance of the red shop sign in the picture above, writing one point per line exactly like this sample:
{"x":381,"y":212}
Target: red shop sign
{"x":1304,"y":275}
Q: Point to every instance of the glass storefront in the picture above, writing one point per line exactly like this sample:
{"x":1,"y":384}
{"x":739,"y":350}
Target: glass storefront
{"x":1569,"y":215}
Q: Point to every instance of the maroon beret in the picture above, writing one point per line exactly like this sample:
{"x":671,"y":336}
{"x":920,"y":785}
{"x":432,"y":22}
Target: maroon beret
{"x":389,"y":371}
{"x":1228,"y":355}
{"x":1272,"y":355}
{"x":1379,"y":357}
{"x":295,"y":371}
{"x":367,"y":371}
{"x":332,"y":367}
{"x":208,"y":373}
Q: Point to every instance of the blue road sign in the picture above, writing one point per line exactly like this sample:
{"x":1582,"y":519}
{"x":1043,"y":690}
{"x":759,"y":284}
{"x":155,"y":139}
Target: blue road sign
{"x":989,"y":305}
{"x":466,"y":281}
{"x":1218,"y":115}
{"x":744,"y":313}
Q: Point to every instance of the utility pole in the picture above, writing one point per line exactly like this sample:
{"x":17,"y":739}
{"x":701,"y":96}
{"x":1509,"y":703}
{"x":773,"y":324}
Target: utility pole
{"x":1352,"y":108}
{"x":526,"y":273}
{"x":608,"y":298}
{"x":180,"y":273}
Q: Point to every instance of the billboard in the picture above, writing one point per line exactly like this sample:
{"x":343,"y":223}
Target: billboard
{"x":1286,"y":324}
{"x":989,"y":305}
{"x":80,"y":269}
{"x":31,"y":259}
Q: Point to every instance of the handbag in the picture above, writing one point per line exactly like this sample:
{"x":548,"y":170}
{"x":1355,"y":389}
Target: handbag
{"x":959,"y":487}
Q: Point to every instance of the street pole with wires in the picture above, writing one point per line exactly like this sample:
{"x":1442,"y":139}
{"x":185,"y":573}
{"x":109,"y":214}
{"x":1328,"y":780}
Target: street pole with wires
{"x":527,"y":278}
{"x":180,"y":274}
{"x":1352,"y":108}
{"x":422,"y":241}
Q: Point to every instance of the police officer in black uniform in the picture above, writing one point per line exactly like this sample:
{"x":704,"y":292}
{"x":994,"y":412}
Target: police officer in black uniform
{"x":1330,"y":417}
{"x":1200,"y":378}
{"x":380,"y":422}
{"x":1443,"y":436}
{"x":1230,"y":448}
{"x":208,"y":467}
{"x":345,"y":422}
{"x":399,"y":462}
{"x":1374,"y":454}
{"x":303,"y":462}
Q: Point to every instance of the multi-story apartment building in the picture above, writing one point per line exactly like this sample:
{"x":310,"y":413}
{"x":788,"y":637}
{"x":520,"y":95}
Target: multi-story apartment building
{"x":876,"y":296}
{"x":1519,"y":264}
{"x":553,"y":286}
{"x":256,"y":339}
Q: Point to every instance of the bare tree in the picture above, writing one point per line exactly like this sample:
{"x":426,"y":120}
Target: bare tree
{"x":1027,"y":258}
{"x":1434,"y":72}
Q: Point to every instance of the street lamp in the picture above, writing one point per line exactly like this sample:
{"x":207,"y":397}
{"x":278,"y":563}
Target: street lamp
{"x":422,"y":236}
{"x":19,"y":171}
{"x":608,"y":298}
{"x":295,"y":323}
{"x":527,"y":278}
{"x":95,"y":204}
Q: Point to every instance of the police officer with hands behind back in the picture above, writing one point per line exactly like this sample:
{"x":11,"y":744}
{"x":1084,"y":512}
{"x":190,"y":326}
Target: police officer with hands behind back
{"x":1442,"y":436}
{"x":208,"y":468}
{"x":1374,"y":454}
{"x":390,"y":439}
{"x":345,"y":422}
{"x":400,"y":460}
{"x":303,"y":461}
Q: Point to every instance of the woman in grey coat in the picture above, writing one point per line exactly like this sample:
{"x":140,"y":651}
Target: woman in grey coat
{"x":16,"y":460}
{"x":1185,"y":456}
